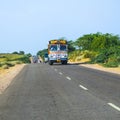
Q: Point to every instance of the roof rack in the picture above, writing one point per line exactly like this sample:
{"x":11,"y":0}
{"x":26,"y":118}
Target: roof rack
{"x":57,"y":42}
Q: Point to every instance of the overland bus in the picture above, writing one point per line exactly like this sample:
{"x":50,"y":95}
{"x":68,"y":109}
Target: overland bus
{"x":57,"y":51}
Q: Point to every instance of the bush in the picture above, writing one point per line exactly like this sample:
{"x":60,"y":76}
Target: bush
{"x":101,"y":58}
{"x":24,"y":59}
{"x":112,"y":62}
{"x":16,"y":62}
{"x":89,"y":54}
{"x":108,"y":57}
{"x":2,"y":56}
{"x":73,"y":55}
{"x":5,"y":67}
{"x":118,"y":59}
{"x":10,"y":64}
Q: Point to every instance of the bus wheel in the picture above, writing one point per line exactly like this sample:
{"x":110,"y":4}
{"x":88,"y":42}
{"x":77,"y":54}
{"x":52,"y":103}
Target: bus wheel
{"x":64,"y":62}
{"x":50,"y":62}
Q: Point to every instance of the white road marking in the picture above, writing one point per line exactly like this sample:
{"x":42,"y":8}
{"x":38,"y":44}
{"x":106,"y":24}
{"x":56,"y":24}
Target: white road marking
{"x":55,"y":69}
{"x":60,"y":73}
{"x":68,"y":78}
{"x":114,"y":106}
{"x":84,"y":88}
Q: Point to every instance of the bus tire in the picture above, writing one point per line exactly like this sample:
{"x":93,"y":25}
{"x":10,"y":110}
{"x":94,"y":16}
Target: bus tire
{"x":50,"y":62}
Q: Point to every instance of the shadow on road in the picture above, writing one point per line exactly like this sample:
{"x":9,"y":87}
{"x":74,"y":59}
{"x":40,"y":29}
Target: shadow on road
{"x":76,"y":63}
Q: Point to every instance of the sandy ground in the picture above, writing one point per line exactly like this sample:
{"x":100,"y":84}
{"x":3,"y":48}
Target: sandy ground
{"x":98,"y":67}
{"x":6,"y":76}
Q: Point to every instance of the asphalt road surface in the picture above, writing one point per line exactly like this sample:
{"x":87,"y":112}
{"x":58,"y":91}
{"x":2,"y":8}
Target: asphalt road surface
{"x":61,"y":92}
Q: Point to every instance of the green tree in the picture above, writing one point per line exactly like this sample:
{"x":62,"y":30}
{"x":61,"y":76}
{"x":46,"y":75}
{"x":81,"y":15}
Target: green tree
{"x":98,"y":43}
{"x":21,"y":52}
{"x":42,"y":52}
{"x":29,"y":54}
{"x":15,"y":52}
{"x":71,"y":46}
{"x":84,"y":42}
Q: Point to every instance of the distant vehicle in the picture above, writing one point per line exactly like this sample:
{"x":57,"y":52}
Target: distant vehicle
{"x":57,"y":51}
{"x":46,"y":57}
{"x":35,"y":59}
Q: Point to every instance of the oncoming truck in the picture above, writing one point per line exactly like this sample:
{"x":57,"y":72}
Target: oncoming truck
{"x":57,"y":51}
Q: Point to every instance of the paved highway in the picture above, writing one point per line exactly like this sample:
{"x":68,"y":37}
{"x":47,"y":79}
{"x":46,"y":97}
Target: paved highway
{"x":61,"y":92}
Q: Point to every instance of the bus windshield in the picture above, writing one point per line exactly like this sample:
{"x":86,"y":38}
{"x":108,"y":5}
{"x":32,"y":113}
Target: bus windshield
{"x":63,"y":47}
{"x":53,"y":47}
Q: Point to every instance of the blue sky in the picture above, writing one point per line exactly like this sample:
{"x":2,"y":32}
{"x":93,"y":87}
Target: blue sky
{"x":28,"y":25}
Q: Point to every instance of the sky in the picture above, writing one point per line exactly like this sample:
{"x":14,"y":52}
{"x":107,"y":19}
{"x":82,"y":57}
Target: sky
{"x":28,"y":25}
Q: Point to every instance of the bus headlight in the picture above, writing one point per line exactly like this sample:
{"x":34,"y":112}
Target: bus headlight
{"x":63,"y":55}
{"x":53,"y":56}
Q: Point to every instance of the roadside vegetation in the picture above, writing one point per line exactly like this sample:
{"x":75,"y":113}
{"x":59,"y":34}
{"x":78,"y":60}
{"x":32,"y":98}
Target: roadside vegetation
{"x":98,"y":48}
{"x":41,"y":53}
{"x":11,"y":59}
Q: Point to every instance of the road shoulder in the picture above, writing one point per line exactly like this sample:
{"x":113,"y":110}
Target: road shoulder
{"x":99,"y":67}
{"x":6,"y":76}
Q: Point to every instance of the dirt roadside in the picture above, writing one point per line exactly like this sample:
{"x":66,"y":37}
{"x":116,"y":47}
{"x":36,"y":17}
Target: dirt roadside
{"x":99,"y":67}
{"x":7,"y":75}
